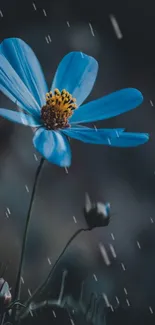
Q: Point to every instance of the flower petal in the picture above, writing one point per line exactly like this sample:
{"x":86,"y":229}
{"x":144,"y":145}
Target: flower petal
{"x":13,"y":87}
{"x":25,"y":63}
{"x":108,"y":106}
{"x":111,"y":137}
{"x":129,"y":139}
{"x":77,"y":74}
{"x":54,"y":146}
{"x":19,"y":117}
{"x":96,"y":136}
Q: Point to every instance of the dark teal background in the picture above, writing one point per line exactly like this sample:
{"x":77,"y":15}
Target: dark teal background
{"x":124,"y":177}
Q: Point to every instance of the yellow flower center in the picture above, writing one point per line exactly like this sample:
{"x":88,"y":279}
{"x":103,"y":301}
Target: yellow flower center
{"x":59,"y":107}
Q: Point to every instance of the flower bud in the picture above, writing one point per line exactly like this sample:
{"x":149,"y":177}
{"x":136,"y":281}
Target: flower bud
{"x":96,"y":214}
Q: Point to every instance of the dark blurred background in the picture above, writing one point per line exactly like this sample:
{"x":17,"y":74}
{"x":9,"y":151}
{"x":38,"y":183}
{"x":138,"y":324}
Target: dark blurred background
{"x":125,"y":277}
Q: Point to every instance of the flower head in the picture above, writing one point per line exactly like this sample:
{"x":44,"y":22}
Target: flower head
{"x":56,"y":114}
{"x":96,"y":214}
{"x":5,"y":294}
{"x":58,"y":109}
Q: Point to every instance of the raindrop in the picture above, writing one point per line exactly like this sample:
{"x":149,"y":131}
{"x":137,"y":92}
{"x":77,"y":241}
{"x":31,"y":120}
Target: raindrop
{"x":35,"y":157}
{"x":49,"y":261}
{"x":117,"y":300}
{"x":151,"y":103}
{"x":112,"y":250}
{"x":7,"y":215}
{"x":112,"y":308}
{"x":9,"y":212}
{"x":91,"y":29}
{"x":95,"y":277}
{"x":29,"y":292}
{"x":125,"y":291}
{"x":66,"y":170}
{"x":27,"y":189}
{"x":22,"y":279}
{"x":117,"y":134}
{"x":49,"y":37}
{"x":152,"y":221}
{"x":112,"y":236}
{"x":44,"y":12}
{"x":104,"y":254}
{"x":106,"y":300}
{"x":74,"y":219}
{"x":54,"y":314}
{"x":138,"y":244}
{"x":72,"y":322}
{"x":128,"y":303}
{"x":31,"y":313}
{"x":116,"y":27}
{"x":68,"y":24}
{"x":151,"y":310}
{"x":34,"y":6}
{"x":47,"y":40}
{"x":95,"y":127}
{"x":123,"y":266}
{"x":1,"y":14}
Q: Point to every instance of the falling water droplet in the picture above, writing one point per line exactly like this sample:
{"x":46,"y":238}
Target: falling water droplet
{"x":44,"y":12}
{"x":49,"y":261}
{"x":151,"y":310}
{"x":117,"y":300}
{"x":112,"y":250}
{"x":54,"y":314}
{"x":112,"y":308}
{"x":27,"y":189}
{"x":9,"y":212}
{"x":34,"y":6}
{"x":138,"y":244}
{"x":31,"y":313}
{"x":95,"y":277}
{"x":74,"y":219}
{"x":7,"y":215}
{"x":29,"y":292}
{"x":49,"y":37}
{"x":47,"y":40}
{"x":125,"y":291}
{"x":72,"y":322}
{"x":91,"y":29}
{"x":123,"y":266}
{"x":116,"y":27}
{"x":35,"y":157}
{"x":95,"y":128}
{"x":66,"y":170}
{"x":22,"y":279}
{"x":106,"y":300}
{"x":104,"y":254}
{"x":128,"y":303}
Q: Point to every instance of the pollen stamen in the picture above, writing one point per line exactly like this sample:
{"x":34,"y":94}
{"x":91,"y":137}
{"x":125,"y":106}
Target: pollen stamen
{"x":59,"y":107}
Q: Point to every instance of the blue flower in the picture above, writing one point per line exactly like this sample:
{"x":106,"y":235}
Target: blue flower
{"x":57,"y":115}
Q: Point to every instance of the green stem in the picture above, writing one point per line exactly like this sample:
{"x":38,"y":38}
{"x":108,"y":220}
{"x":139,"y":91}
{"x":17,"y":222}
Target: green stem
{"x":18,"y":280}
{"x":3,"y":318}
{"x":44,"y":285}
